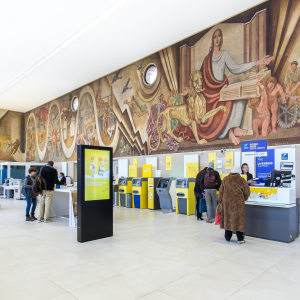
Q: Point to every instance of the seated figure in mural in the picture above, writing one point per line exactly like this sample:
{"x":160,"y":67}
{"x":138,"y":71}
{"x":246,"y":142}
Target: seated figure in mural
{"x":273,"y":89}
{"x":214,"y":79}
{"x":124,"y":148}
{"x":262,"y":107}
{"x":292,"y":80}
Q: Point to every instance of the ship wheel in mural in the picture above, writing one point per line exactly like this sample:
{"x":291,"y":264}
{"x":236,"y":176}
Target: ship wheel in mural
{"x":288,"y":113}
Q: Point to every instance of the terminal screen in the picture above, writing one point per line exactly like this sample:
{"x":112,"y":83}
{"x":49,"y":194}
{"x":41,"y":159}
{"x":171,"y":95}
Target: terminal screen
{"x":179,"y":182}
{"x":134,"y":181}
{"x":97,"y":174}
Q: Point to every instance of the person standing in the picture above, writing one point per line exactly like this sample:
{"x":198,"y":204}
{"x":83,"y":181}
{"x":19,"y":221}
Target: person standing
{"x":62,"y":178}
{"x":50,"y":176}
{"x":210,"y":182}
{"x":245,"y":170}
{"x":28,"y":193}
{"x":198,"y":193}
{"x":233,"y":193}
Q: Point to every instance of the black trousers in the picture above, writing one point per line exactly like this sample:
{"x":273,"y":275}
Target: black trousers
{"x":228,"y":235}
{"x":199,"y":214}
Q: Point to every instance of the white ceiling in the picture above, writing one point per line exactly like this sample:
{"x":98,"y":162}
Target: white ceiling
{"x":36,"y":32}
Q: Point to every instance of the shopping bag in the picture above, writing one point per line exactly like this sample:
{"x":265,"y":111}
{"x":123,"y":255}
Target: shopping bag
{"x":202,"y":205}
{"x":218,"y":215}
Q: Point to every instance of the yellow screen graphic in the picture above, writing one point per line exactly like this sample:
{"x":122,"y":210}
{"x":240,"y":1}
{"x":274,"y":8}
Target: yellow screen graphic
{"x":97,"y":173}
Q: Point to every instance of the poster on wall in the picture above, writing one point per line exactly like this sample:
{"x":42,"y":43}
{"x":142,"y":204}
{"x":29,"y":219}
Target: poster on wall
{"x":97,"y":172}
{"x":229,"y":160}
{"x":212,"y":157}
{"x":255,"y":148}
{"x":264,"y":165}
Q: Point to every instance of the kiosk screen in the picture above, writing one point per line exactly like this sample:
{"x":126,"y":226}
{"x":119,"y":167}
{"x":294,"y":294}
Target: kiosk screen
{"x":163,"y":183}
{"x":97,"y":173}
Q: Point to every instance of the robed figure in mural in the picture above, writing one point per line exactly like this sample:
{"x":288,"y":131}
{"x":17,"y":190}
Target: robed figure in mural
{"x":214,"y":79}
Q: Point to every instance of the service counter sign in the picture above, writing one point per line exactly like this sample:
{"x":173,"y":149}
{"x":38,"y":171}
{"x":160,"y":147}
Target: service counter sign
{"x":264,"y":165}
{"x":97,"y":172}
{"x":255,"y":148}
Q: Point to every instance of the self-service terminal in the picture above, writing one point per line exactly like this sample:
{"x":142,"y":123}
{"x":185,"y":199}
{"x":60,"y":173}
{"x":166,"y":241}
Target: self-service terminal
{"x":125,"y":191}
{"x":153,"y":199}
{"x":185,"y":198}
{"x":166,"y":191}
{"x":140,"y":192}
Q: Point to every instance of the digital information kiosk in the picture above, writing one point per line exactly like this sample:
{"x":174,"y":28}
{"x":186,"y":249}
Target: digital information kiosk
{"x":185,"y":197}
{"x":94,"y":193}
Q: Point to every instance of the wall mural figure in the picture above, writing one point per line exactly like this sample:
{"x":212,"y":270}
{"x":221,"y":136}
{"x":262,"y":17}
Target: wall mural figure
{"x":31,"y":141}
{"x":42,"y":119}
{"x":137,"y":109}
{"x":214,"y":79}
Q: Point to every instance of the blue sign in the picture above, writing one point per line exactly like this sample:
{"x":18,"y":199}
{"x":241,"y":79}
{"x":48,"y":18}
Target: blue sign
{"x":264,"y":165}
{"x":284,"y":156}
{"x":255,"y":146}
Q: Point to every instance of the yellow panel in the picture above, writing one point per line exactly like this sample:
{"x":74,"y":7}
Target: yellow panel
{"x":147,"y":171}
{"x":192,"y":170}
{"x":133,"y":171}
{"x":168,"y":162}
{"x":212,"y":157}
{"x":229,"y":160}
{"x":222,"y":176}
{"x":150,"y":180}
{"x":135,"y":161}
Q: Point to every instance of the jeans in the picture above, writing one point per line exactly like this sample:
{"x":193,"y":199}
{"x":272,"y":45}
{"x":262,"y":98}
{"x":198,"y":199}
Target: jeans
{"x":45,"y":200}
{"x":211,"y":200}
{"x":228,"y":235}
{"x":30,"y":201}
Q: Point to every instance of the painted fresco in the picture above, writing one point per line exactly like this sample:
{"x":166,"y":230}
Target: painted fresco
{"x":238,"y":80}
{"x":10,"y":136}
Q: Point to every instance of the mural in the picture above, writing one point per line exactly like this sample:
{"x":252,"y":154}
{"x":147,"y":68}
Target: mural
{"x":10,"y":136}
{"x":238,"y":80}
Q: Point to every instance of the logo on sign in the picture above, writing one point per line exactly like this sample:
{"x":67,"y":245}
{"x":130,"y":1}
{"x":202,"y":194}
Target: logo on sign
{"x":246,"y":146}
{"x":284,"y":156}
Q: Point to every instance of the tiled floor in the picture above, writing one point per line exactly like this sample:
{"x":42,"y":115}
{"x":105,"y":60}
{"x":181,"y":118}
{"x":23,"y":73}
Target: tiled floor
{"x":152,"y":256}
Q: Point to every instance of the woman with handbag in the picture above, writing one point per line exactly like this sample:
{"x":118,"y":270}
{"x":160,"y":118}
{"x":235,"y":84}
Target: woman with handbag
{"x":199,"y":194}
{"x":28,"y":193}
{"x":233,"y":193}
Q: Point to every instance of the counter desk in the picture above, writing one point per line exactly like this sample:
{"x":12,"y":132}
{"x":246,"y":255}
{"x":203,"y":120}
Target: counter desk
{"x":272,"y":213}
{"x":64,"y":204}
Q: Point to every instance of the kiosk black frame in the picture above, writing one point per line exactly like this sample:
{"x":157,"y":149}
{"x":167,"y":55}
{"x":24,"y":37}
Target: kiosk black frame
{"x":94,"y":218}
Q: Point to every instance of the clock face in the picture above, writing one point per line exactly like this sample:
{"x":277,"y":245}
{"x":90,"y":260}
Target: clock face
{"x":151,"y":74}
{"x":75,"y":104}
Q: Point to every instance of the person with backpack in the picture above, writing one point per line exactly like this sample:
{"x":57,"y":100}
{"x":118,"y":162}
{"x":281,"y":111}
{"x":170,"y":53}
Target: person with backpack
{"x":28,"y":193}
{"x":48,"y":176}
{"x":210,"y":183}
{"x":198,"y":194}
{"x":233,"y":193}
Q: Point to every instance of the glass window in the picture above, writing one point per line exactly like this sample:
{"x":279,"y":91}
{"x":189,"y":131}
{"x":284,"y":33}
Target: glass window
{"x":151,"y":74}
{"x":75,"y":103}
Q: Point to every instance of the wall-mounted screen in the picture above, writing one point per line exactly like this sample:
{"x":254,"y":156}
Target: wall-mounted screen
{"x":97,"y":172}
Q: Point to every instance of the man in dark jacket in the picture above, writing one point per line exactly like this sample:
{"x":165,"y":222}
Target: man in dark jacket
{"x":50,"y":176}
{"x":210,"y":183}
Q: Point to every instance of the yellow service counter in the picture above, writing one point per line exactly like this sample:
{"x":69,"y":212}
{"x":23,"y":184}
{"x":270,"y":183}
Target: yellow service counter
{"x":274,"y":195}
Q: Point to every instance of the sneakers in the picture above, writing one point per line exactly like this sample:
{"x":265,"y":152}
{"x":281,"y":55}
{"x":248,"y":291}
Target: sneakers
{"x":47,"y":220}
{"x":39,"y":221}
{"x":241,"y":242}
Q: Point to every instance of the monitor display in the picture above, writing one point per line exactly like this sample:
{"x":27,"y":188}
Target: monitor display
{"x":97,"y":173}
{"x":134,"y":181}
{"x":277,"y":176}
{"x":180,"y":182}
{"x":163,"y":183}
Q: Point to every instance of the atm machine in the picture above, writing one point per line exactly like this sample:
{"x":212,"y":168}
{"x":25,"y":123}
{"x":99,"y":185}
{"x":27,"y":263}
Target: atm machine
{"x":140,"y":192}
{"x":185,"y":198}
{"x":153,"y":199}
{"x":125,"y":192}
{"x":166,"y":191}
